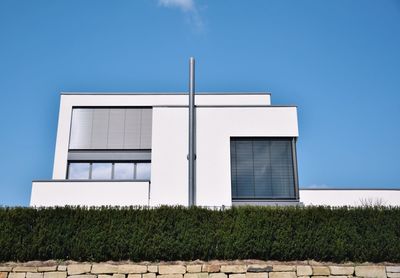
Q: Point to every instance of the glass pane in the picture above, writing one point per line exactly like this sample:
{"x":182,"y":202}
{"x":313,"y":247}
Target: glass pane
{"x":245,"y":168}
{"x":78,"y":171}
{"x":143,"y":171}
{"x":262,"y":168}
{"x":282,"y":169}
{"x":101,"y":171}
{"x":123,"y":171}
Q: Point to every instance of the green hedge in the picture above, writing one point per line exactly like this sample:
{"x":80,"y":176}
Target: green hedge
{"x":177,"y":233}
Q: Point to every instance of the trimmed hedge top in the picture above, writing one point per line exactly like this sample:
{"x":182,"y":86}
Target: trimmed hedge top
{"x":178,"y":233}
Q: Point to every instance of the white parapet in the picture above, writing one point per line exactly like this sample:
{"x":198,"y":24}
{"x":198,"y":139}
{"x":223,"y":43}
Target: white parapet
{"x":350,"y":197}
{"x":90,"y":193}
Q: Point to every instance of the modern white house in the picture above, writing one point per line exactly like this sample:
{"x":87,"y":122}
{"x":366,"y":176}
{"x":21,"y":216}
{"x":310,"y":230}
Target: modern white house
{"x":132,"y":149}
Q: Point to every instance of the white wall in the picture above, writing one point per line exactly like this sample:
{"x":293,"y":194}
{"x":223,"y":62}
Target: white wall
{"x":169,"y":164}
{"x":346,"y":197}
{"x":89,"y":193}
{"x":214,"y":127}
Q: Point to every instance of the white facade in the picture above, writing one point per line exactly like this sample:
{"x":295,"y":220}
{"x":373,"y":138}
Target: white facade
{"x":214,"y":127}
{"x":219,"y":119}
{"x":350,"y":197}
{"x":68,"y":101}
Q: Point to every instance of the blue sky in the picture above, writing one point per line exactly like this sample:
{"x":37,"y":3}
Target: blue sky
{"x":339,"y":61}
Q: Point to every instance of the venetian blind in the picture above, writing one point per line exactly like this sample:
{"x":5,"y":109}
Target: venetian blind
{"x":111,"y":128}
{"x":262,"y":168}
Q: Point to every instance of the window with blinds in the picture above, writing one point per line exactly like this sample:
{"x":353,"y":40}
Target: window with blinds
{"x":111,"y":128}
{"x":262,"y":168}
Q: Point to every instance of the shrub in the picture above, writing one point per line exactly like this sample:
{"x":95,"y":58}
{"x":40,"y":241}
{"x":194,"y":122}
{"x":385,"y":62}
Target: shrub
{"x":178,"y":233}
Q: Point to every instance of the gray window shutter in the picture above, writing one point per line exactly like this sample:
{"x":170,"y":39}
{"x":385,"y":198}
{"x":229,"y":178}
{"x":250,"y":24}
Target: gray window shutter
{"x":132,"y":129}
{"x":145,"y":128}
{"x":282,"y":168}
{"x":100,"y":128}
{"x":245,"y":167}
{"x":111,"y":128}
{"x":233,"y":169}
{"x":81,"y":129}
{"x":116,"y":129}
{"x":262,"y":168}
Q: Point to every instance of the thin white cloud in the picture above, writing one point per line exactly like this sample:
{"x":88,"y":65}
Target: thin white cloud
{"x":188,"y":7}
{"x":184,"y":5}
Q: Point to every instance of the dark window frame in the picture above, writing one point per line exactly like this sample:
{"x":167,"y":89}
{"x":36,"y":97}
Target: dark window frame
{"x":293,"y":141}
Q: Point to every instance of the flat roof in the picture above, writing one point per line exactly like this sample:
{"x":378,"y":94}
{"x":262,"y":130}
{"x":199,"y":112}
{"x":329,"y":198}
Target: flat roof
{"x":164,"y":93}
{"x":228,"y":106}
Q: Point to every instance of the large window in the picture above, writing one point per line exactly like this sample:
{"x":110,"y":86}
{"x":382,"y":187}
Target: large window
{"x":109,"y":170}
{"x":113,"y":128}
{"x":263,"y":168}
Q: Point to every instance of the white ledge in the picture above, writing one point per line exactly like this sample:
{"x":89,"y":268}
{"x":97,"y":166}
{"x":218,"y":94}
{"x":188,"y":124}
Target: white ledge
{"x":90,"y":193}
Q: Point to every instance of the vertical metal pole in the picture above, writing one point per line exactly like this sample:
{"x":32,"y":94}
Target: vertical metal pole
{"x":192,"y":148}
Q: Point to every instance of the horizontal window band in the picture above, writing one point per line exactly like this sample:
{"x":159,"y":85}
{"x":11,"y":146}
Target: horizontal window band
{"x":137,"y":155}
